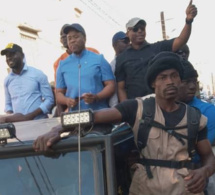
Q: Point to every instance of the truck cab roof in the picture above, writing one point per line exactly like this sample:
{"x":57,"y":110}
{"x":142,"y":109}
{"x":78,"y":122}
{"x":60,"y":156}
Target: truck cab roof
{"x":24,"y":171}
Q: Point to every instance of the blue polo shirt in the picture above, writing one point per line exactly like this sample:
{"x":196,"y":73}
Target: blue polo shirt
{"x":93,"y":69}
{"x":207,"y":110}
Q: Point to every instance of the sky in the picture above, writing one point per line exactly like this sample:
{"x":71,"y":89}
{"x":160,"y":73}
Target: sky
{"x":102,"y":18}
{"x":49,"y":15}
{"x":110,"y":16}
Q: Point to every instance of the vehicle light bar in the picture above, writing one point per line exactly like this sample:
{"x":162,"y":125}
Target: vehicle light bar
{"x":72,"y":119}
{"x":7,"y":130}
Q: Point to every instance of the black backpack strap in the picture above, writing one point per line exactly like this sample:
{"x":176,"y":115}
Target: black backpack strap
{"x":193,"y":121}
{"x":170,"y":164}
{"x":145,"y":125}
{"x":144,"y":128}
{"x":170,"y":130}
{"x":147,"y":121}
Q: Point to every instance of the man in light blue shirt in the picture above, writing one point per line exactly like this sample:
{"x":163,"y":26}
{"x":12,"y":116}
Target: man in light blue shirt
{"x":27,"y":90}
{"x":84,"y":75}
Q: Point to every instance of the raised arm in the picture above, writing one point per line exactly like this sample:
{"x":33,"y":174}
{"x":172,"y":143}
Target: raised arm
{"x":182,"y":39}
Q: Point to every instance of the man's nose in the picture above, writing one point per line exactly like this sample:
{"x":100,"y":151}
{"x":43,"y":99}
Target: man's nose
{"x":169,"y":79}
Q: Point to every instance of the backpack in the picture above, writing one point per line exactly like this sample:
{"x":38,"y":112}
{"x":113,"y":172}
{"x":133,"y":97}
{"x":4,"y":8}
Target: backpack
{"x":147,"y":121}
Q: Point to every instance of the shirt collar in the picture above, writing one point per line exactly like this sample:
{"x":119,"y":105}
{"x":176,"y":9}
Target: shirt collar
{"x":24,"y":69}
{"x":83,"y":52}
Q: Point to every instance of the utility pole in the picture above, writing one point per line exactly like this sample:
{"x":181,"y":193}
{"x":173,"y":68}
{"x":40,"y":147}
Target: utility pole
{"x":163,"y":27}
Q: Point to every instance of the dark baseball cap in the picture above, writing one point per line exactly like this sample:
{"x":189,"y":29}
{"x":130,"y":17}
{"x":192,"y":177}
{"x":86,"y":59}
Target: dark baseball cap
{"x":11,"y":47}
{"x":118,"y":36}
{"x":74,"y":26}
{"x":62,"y":28}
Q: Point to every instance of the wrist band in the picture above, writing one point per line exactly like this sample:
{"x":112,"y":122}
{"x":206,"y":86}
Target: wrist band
{"x":189,"y":21}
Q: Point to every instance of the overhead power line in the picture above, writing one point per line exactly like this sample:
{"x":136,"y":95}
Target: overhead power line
{"x":102,"y":9}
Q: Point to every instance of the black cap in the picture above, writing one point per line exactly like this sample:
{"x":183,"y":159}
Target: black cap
{"x":76,"y":27}
{"x":163,"y":61}
{"x":11,"y":47}
{"x":119,"y":36}
{"x":189,"y":70}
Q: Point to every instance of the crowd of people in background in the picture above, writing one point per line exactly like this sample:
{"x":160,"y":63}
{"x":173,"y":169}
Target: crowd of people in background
{"x":84,"y":79}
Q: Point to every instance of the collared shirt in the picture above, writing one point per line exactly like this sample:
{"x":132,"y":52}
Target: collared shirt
{"x":207,"y":110}
{"x":28,"y":91}
{"x":132,"y":64}
{"x":64,"y":56}
{"x":93,"y":69}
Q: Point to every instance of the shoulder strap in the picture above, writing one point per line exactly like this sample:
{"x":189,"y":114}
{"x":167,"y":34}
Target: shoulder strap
{"x":145,"y":125}
{"x":138,"y":115}
{"x":193,"y":121}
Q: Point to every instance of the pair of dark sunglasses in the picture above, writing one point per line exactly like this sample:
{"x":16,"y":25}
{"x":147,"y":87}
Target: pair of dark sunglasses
{"x":180,"y":52}
{"x":137,"y":27}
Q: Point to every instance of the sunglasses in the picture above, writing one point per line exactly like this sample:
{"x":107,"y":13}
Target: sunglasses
{"x":180,"y":52}
{"x":137,"y":27}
